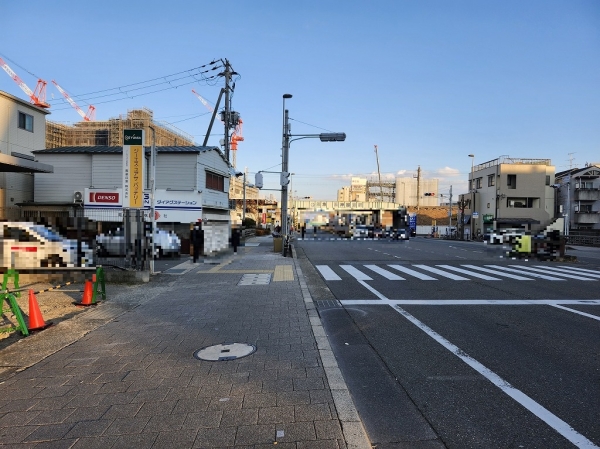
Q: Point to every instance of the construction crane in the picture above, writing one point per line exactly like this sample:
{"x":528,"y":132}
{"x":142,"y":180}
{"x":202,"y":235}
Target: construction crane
{"x":378,"y":172}
{"x":37,"y":97}
{"x":91,"y":114}
{"x":236,"y":136}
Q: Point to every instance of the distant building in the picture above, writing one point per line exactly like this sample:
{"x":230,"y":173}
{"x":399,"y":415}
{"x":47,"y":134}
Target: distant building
{"x":513,"y":192}
{"x":410,"y":192}
{"x":357,"y":191}
{"x":579,"y":197}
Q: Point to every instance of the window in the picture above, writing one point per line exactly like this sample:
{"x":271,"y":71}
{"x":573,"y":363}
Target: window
{"x":26,"y":121}
{"x":529,"y":203}
{"x":547,"y":180}
{"x":215,"y":182}
{"x":511,"y":181}
{"x":491,"y":180}
{"x":478,"y":183}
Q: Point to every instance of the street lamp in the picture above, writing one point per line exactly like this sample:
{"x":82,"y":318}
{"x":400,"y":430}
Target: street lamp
{"x":324,"y":137}
{"x":472,"y":156}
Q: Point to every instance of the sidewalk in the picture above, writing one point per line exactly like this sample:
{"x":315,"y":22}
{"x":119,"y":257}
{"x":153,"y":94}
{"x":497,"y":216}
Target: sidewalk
{"x":124,"y":374}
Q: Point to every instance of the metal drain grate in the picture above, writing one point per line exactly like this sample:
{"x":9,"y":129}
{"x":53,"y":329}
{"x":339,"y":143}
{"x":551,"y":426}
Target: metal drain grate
{"x":255,"y":279}
{"x":224,"y":352}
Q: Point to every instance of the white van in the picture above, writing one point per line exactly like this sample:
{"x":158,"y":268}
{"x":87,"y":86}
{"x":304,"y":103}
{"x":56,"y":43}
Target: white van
{"x":30,"y":245}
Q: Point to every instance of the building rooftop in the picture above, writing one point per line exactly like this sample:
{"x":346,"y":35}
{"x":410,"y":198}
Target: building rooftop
{"x":512,"y":160}
{"x":105,"y":149}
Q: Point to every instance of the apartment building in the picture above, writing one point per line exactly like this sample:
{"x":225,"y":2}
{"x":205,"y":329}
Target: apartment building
{"x":579,"y":197}
{"x":512,"y":192}
{"x":417,"y":192}
{"x":356,"y":191}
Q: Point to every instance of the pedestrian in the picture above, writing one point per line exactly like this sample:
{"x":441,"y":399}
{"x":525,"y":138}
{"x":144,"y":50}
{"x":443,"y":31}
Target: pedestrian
{"x":314,"y":231}
{"x":303,"y":230}
{"x":235,"y":239}
{"x":197,"y":239}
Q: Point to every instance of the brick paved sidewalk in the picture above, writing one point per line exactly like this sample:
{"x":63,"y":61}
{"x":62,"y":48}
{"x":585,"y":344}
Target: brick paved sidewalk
{"x":125,"y":375}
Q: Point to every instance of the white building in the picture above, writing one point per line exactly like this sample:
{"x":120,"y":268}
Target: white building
{"x":22,"y":131}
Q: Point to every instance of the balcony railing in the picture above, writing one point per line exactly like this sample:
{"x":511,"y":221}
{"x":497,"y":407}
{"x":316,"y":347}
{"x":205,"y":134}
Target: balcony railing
{"x":587,"y":194}
{"x":587,"y":217}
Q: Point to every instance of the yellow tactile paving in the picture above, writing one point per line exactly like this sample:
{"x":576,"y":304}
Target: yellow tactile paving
{"x":283,"y":273}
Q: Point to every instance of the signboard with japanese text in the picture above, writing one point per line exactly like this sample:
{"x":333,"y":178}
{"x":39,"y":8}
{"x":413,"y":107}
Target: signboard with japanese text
{"x":133,"y":168}
{"x":169,"y":205}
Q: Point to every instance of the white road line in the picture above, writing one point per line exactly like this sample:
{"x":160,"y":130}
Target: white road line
{"x":372,"y":290}
{"x":355,"y":273}
{"x":542,"y":270}
{"x":470,"y":273}
{"x":514,"y":270}
{"x":327,"y":273}
{"x":414,"y":273}
{"x":582,"y":270}
{"x":442,"y":273}
{"x":537,"y":409}
{"x":589,"y":315}
{"x":570,"y":271}
{"x":471,"y":302}
{"x":497,"y":273}
{"x":386,"y":274}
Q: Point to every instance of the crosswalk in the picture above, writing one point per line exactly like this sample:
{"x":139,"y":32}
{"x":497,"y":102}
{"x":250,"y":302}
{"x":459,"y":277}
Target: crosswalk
{"x":465,"y":272}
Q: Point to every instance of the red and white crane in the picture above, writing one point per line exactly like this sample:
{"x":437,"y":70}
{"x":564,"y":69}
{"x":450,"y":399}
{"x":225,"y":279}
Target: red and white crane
{"x":236,"y":136}
{"x":91,"y":114}
{"x":37,"y":97}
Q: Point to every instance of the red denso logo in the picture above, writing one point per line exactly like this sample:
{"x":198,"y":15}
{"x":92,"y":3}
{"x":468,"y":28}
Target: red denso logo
{"x":103,"y":197}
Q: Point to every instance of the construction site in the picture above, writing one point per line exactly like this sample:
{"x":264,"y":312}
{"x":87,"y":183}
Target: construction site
{"x":110,"y":132}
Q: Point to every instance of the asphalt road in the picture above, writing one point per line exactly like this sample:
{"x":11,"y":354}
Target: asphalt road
{"x":446,"y":344}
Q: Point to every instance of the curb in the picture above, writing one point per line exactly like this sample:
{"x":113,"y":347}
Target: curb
{"x":352,"y":427}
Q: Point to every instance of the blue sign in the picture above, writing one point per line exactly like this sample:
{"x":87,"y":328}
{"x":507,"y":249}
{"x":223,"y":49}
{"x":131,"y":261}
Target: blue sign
{"x":412,"y":221}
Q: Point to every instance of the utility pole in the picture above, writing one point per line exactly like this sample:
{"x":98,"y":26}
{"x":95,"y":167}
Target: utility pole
{"x":568,"y":220}
{"x":450,"y":212}
{"x":418,"y":186}
{"x":227,"y":120}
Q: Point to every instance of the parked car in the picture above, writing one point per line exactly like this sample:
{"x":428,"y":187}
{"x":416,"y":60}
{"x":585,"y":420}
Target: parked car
{"x":362,"y":231}
{"x":30,"y":245}
{"x":398,"y":234}
{"x":113,"y":244}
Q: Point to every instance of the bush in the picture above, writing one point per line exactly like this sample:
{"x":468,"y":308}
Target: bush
{"x":249,"y":223}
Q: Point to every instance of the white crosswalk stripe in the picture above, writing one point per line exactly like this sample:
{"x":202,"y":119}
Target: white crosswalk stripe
{"x":573,"y":270}
{"x":537,"y":270}
{"x":535,"y":275}
{"x":386,"y":274}
{"x":468,"y":271}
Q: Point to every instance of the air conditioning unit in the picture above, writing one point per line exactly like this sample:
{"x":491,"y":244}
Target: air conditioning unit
{"x":78,"y":196}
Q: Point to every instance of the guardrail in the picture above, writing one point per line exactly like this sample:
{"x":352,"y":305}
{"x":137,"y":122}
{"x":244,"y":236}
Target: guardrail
{"x":583,"y":240}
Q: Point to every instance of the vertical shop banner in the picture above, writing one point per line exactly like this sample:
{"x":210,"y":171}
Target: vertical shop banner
{"x":133,"y":168}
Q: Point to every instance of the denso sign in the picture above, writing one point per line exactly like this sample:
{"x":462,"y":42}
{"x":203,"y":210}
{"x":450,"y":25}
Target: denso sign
{"x":102,"y":197}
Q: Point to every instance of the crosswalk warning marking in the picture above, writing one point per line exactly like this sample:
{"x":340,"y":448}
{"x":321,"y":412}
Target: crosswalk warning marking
{"x":497,"y":273}
{"x":414,"y":273}
{"x":573,"y":270}
{"x":470,"y":273}
{"x":283,"y":273}
{"x":355,"y":273}
{"x":327,"y":273}
{"x":537,"y":270}
{"x":515,"y":270}
{"x":386,"y":274}
{"x":454,"y":277}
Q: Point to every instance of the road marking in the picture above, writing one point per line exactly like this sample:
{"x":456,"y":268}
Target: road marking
{"x":514,"y":270}
{"x":327,"y":273}
{"x":355,"y":273}
{"x":573,"y":270}
{"x":470,"y":273}
{"x":386,"y":274}
{"x":497,"y":273}
{"x":441,"y":273}
{"x":537,"y":409}
{"x":414,"y":273}
{"x":554,"y":273}
{"x":471,"y":302}
{"x":372,"y":290}
{"x":589,"y":315}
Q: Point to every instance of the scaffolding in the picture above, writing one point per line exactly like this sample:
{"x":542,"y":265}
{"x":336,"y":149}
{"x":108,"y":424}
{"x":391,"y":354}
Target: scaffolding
{"x":110,"y":132}
{"x":375,"y":190}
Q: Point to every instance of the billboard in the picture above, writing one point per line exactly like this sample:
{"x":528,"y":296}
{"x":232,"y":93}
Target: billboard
{"x":133,"y":168}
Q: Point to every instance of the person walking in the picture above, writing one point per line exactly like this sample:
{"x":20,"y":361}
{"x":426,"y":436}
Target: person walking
{"x":235,"y":239}
{"x":303,"y":230}
{"x":197,"y":239}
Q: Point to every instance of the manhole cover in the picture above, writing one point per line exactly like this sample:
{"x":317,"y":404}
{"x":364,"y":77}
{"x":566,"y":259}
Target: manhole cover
{"x":226,"y":351}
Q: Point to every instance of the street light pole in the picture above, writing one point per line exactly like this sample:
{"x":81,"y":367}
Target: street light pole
{"x":244,"y":204}
{"x":152,"y":198}
{"x":472,"y":156}
{"x":284,"y":169}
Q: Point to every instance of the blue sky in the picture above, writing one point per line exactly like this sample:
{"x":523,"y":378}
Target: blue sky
{"x":428,"y":82}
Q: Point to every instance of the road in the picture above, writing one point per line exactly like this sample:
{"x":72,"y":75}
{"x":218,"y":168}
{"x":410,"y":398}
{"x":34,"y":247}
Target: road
{"x":446,"y":344}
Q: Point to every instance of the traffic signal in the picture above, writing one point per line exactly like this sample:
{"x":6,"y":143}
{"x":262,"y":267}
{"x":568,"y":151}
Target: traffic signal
{"x":429,"y":194}
{"x":285,"y":178}
{"x":258,"y":180}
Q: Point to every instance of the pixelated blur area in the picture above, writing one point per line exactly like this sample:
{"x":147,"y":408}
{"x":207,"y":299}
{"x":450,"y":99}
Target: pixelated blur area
{"x":524,"y":245}
{"x":43,"y":245}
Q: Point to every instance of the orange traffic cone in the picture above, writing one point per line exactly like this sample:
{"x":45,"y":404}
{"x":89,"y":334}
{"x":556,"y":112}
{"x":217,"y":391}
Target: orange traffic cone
{"x":36,"y":322}
{"x":87,"y":296}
